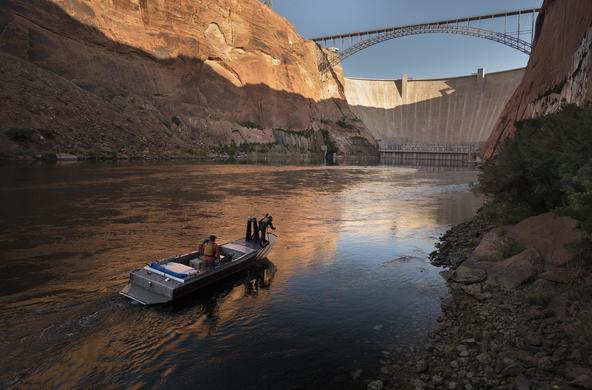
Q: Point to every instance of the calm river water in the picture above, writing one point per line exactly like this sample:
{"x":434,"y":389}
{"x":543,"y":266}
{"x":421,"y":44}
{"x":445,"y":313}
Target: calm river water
{"x":347,"y":279}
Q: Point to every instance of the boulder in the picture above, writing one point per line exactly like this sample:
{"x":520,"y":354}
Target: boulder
{"x":516,"y":270}
{"x":476,"y":291}
{"x":375,"y":385}
{"x":468,"y":275}
{"x":512,"y":370}
{"x":542,"y":284}
{"x":522,"y":383}
{"x":573,"y":373}
{"x":583,"y":381}
{"x":356,"y":374}
{"x":559,"y":275}
{"x":421,"y":366}
{"x":488,"y":247}
{"x":66,"y":157}
{"x":545,"y":363}
{"x":526,"y":358}
{"x":484,"y":358}
{"x":551,"y":235}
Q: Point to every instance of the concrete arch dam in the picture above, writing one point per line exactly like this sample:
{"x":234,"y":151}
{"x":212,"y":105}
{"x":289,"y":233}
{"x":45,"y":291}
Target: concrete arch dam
{"x":446,"y":116}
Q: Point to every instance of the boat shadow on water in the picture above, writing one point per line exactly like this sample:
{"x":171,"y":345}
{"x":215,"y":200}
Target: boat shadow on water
{"x":256,"y":277}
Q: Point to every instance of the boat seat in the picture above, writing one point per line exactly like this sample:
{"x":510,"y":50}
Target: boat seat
{"x":198,"y":262}
{"x":174,"y":269}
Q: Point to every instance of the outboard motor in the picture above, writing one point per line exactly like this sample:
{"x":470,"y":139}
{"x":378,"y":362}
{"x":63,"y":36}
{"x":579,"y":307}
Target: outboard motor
{"x":252,"y":233}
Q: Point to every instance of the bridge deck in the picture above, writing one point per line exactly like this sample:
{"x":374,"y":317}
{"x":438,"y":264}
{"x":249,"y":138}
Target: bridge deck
{"x":438,"y":22}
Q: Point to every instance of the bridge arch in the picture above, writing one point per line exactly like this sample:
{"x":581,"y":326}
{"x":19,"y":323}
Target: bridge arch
{"x":462,"y":26}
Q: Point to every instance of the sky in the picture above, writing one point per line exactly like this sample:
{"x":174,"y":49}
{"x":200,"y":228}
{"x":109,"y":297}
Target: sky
{"x":420,"y":56}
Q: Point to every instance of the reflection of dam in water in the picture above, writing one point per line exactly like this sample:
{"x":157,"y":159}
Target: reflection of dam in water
{"x":432,"y":119}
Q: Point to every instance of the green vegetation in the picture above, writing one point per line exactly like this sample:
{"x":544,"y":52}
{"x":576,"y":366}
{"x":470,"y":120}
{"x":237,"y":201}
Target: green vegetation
{"x":539,"y":297}
{"x":344,"y":124}
{"x":501,"y":213}
{"x":233,"y":149}
{"x":583,"y":326}
{"x":508,"y":248}
{"x":176,"y":120}
{"x":251,"y":125}
{"x":195,"y":152}
{"x":20,"y":135}
{"x":49,"y":134}
{"x":582,"y":292}
{"x":24,"y":135}
{"x":583,"y":258}
{"x":306,"y":133}
{"x":546,"y":166}
{"x":357,"y":140}
{"x":94,"y":154}
{"x":49,"y":157}
{"x":555,"y":89}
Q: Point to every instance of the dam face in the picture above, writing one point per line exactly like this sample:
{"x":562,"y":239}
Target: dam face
{"x":432,"y":114}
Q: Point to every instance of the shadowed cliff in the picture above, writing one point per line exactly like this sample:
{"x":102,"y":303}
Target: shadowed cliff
{"x":559,"y":69}
{"x":69,"y":87}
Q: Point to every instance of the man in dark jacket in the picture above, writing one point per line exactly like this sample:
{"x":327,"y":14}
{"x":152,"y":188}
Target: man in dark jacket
{"x":263,"y":224}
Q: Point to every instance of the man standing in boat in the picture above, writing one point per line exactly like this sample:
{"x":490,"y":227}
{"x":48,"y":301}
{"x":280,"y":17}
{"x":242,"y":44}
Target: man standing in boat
{"x":209,"y":251}
{"x":263,"y":224}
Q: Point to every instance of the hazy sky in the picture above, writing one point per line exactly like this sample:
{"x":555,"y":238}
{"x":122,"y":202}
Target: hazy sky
{"x":430,"y":55}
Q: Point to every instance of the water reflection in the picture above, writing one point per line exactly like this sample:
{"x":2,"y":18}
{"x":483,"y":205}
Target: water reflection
{"x":223,"y":294}
{"x":351,"y":258}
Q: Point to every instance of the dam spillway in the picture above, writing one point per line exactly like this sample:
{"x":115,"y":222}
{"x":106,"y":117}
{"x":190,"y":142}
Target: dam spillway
{"x":446,"y":114}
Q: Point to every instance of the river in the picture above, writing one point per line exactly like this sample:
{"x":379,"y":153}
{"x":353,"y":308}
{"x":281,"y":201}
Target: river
{"x":347,"y":279}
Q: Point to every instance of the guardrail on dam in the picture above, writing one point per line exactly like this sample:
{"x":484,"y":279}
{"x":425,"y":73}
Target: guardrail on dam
{"x":432,"y":119}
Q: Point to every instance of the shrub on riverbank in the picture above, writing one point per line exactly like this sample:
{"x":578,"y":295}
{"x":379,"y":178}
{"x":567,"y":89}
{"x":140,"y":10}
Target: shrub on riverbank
{"x":509,"y":247}
{"x":546,"y":166}
{"x":539,"y":297}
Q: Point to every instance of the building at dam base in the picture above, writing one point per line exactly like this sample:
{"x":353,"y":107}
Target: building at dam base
{"x":447,"y":118}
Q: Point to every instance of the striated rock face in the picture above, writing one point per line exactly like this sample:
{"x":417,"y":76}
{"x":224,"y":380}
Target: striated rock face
{"x":559,"y":70}
{"x":162,"y":77}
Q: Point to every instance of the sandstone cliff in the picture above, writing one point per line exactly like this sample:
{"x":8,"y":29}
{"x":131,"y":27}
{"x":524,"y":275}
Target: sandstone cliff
{"x":168,"y":77}
{"x":559,"y":70}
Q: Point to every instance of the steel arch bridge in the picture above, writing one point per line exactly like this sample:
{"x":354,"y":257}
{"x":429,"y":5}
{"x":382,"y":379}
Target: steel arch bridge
{"x":515,"y":33}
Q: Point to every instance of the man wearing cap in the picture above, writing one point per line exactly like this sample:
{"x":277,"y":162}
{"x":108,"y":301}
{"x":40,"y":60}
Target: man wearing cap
{"x":209,"y":251}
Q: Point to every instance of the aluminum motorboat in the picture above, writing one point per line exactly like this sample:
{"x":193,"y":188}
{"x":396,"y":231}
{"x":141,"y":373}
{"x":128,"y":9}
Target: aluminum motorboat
{"x":170,"y":278}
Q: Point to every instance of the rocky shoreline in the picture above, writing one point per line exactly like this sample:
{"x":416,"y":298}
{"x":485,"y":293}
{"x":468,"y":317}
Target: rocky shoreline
{"x":535,"y":336}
